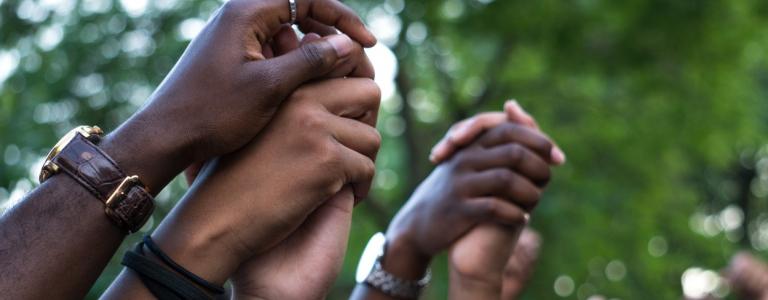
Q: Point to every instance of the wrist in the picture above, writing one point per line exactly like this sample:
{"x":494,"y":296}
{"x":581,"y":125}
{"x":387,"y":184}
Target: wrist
{"x":201,"y":254}
{"x":403,"y":259}
{"x":150,"y":150}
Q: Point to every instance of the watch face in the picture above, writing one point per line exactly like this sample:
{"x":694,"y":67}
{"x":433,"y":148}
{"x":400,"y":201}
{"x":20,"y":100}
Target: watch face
{"x":371,"y":254}
{"x":86,"y":131}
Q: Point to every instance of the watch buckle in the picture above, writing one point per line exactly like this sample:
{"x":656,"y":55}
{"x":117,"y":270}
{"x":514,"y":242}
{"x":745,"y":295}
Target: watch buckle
{"x":120,"y":192}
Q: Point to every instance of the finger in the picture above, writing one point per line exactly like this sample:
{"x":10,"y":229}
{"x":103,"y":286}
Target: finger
{"x":325,"y":234}
{"x":354,"y":98}
{"x":359,"y":170}
{"x":334,"y":13}
{"x":495,"y":209}
{"x":513,"y":156}
{"x":359,"y":66}
{"x":517,"y":114}
{"x":513,"y":133}
{"x":313,"y":60}
{"x":267,"y":51}
{"x":308,"y":26}
{"x":285,"y":41}
{"x":267,"y":16}
{"x":356,"y":135}
{"x":332,"y":217}
{"x":463,"y":133}
{"x":506,"y":184}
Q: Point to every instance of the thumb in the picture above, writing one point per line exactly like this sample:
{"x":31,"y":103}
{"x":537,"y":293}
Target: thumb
{"x":310,"y":61}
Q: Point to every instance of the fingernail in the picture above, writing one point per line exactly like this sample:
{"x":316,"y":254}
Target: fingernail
{"x":512,"y":105}
{"x":432,"y":157}
{"x":527,"y":218}
{"x":342,"y":44}
{"x":437,"y":150}
{"x":558,"y":156}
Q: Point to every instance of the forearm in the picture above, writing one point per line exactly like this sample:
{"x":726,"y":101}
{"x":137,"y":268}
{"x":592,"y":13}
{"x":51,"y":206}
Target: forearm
{"x":57,"y":240}
{"x":192,"y":250}
{"x":55,"y":243}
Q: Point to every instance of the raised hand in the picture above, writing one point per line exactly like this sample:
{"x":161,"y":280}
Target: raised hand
{"x":491,"y":260}
{"x":226,"y":87}
{"x":242,"y":204}
{"x":748,"y":276}
{"x":498,"y":179}
{"x":312,"y":256}
{"x":480,"y":276}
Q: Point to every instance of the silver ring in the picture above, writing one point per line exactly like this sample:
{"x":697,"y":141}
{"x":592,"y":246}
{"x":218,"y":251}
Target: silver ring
{"x":294,"y":11}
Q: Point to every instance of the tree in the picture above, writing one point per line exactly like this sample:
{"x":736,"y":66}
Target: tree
{"x":658,"y":104}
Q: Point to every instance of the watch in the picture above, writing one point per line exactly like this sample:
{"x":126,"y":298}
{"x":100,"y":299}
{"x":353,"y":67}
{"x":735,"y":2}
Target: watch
{"x":127,"y":201}
{"x":371,"y":273}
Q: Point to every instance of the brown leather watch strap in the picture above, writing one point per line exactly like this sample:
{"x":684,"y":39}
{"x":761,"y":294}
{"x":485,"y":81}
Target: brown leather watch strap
{"x":85,"y":162}
{"x":130,"y":203}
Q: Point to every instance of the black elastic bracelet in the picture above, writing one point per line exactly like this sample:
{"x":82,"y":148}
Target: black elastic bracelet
{"x":218,"y":290}
{"x":161,"y":282}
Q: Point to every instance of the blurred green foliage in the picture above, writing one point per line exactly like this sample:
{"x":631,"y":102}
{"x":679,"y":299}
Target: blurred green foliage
{"x":658,"y":104}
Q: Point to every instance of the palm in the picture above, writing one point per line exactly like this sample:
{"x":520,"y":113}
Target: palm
{"x":304,"y":265}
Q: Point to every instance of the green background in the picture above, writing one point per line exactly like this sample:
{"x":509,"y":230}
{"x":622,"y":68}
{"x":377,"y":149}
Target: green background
{"x":659,"y":106}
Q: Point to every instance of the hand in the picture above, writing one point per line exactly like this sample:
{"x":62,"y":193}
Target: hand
{"x":321,"y":140}
{"x":305,"y":265}
{"x":473,"y":275}
{"x":748,"y":276}
{"x":318,"y":244}
{"x":496,"y":179}
{"x":226,"y":88}
{"x":466,"y":131}
{"x":492,"y":258}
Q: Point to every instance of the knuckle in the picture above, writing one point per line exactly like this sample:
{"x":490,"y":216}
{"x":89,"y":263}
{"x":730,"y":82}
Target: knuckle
{"x":375,"y":140}
{"x":490,"y":208}
{"x":311,"y":121}
{"x":544,"y":145}
{"x":372,"y":91}
{"x":312,"y":54}
{"x":534,"y":200}
{"x":350,"y":18}
{"x":515,"y":154}
{"x":504,"y":177}
{"x":462,"y":160}
{"x":546,"y":176}
{"x":370,"y":170}
{"x":510,"y":131}
{"x":328,"y":155}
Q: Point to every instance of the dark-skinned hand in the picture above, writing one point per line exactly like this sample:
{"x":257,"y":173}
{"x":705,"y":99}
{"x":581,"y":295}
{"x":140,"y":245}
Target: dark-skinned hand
{"x":498,"y":178}
{"x":225,"y":88}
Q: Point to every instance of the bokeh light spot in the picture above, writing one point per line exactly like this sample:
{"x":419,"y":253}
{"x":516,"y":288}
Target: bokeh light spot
{"x":564,"y":286}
